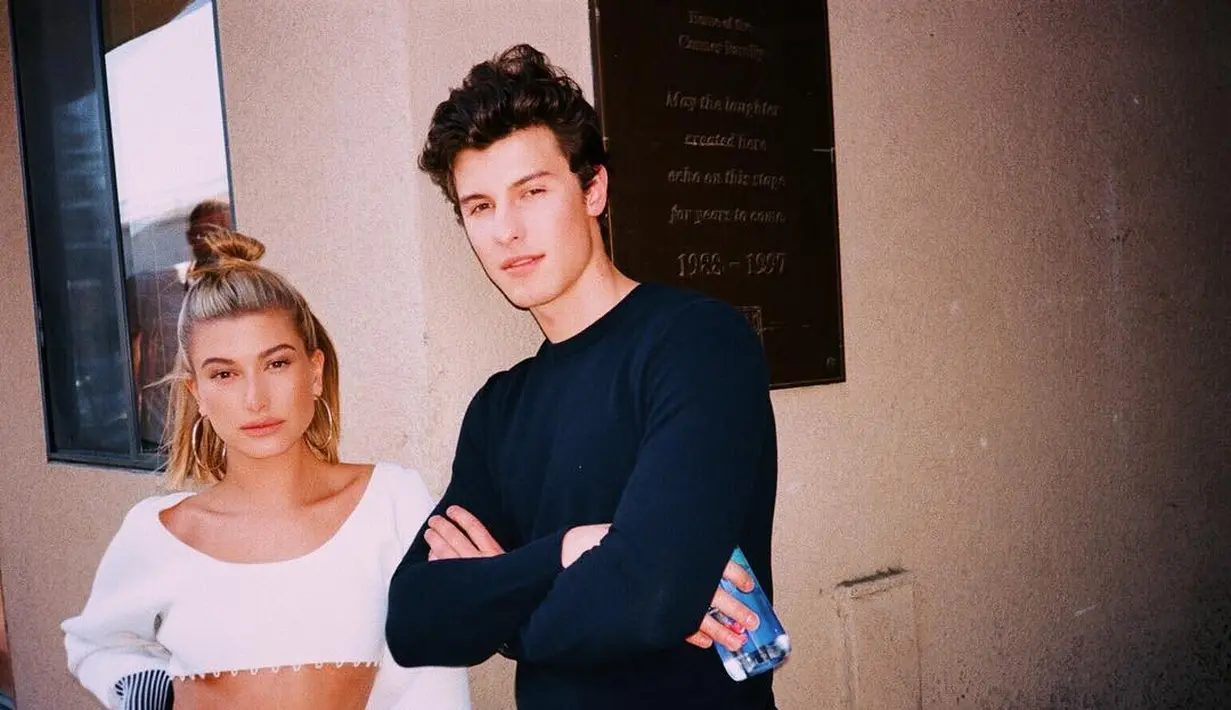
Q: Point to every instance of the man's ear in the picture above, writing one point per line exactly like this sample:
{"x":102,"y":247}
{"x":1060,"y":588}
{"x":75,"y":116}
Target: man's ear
{"x":596,"y":192}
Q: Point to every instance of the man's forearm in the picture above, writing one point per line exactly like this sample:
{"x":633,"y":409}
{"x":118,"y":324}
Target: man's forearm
{"x":460,"y":612}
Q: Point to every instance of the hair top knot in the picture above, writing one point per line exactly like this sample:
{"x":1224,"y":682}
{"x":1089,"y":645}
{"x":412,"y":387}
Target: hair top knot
{"x":222,"y":248}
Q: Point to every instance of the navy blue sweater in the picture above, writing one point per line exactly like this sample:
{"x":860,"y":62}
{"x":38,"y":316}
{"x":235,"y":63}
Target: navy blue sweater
{"x":657,"y":419}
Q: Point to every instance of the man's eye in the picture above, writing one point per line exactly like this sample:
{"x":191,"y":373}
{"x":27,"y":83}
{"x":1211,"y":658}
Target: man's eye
{"x":535,"y":191}
{"x":221,"y":375}
{"x":279,"y":364}
{"x":481,"y":207}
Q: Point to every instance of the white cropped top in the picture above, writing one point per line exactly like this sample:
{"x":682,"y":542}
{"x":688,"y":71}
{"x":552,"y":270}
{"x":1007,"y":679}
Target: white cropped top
{"x":159,"y":603}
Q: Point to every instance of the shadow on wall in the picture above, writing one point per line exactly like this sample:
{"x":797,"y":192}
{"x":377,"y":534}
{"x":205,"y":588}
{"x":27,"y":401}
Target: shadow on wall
{"x":1186,"y":665}
{"x":1189,"y":666}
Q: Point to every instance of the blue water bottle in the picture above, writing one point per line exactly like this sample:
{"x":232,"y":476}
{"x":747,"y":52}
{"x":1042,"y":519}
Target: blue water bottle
{"x":766,"y":646}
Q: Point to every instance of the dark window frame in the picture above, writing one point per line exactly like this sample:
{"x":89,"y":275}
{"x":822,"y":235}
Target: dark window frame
{"x":47,"y":37}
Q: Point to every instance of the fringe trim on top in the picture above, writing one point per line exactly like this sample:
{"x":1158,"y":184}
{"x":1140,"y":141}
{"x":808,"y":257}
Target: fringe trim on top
{"x":275,"y":669}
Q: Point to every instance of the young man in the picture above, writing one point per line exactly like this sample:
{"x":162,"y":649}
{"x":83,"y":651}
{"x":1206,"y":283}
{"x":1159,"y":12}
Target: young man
{"x":600,"y":486}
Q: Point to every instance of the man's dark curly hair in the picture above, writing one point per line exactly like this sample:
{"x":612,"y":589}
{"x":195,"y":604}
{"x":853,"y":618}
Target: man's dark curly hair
{"x":517,"y":89}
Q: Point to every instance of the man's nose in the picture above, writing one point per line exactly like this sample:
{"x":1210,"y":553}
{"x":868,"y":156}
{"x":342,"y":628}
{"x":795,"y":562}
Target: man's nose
{"x":508,"y":225}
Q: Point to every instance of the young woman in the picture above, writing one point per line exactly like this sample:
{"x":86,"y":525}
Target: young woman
{"x":264,"y":585}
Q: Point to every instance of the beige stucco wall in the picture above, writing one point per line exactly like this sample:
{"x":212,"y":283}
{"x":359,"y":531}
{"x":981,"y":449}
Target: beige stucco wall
{"x":1034,"y":217}
{"x":1034,"y":259}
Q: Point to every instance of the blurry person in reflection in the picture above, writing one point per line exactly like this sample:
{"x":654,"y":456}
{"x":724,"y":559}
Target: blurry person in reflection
{"x":262,"y":582}
{"x":206,"y":217}
{"x":155,"y":300}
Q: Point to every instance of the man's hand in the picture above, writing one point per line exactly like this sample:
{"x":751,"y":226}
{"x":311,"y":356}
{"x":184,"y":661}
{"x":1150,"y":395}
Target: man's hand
{"x":580,"y":539}
{"x":460,"y":535}
{"x":711,"y":630}
{"x":584,"y":537}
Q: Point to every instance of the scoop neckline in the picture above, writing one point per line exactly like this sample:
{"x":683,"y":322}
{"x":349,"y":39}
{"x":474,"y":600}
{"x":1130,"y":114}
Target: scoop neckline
{"x":319,"y":549}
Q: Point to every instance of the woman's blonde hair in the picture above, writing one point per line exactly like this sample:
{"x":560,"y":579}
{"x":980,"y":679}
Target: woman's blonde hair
{"x":227,"y":283}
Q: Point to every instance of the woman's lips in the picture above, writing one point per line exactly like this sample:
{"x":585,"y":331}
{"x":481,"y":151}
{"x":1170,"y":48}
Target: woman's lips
{"x":262,"y":428}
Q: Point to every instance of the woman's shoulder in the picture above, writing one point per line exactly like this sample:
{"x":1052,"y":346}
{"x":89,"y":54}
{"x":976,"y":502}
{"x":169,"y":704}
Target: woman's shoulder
{"x":147,"y":510}
{"x":398,"y":479}
{"x":402,"y":490}
{"x":141,"y":536}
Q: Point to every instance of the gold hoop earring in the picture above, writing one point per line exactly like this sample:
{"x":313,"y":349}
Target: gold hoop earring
{"x":329,"y":415}
{"x":195,"y":444}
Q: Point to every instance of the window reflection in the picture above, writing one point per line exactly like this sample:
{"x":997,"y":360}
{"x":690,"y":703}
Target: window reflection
{"x":169,"y":146}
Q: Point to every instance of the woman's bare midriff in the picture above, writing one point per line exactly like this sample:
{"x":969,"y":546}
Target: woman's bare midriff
{"x":308,"y":688}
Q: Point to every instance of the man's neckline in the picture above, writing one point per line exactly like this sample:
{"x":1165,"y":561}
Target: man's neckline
{"x":599,"y":328}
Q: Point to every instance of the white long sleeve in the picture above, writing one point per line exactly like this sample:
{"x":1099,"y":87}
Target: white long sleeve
{"x":113,"y":637}
{"x":425,"y":688}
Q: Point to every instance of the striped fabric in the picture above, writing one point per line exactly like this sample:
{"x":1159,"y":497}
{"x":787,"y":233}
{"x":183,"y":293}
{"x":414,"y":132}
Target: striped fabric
{"x":147,"y":690}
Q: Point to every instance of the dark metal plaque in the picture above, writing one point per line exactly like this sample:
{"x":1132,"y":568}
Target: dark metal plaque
{"x":718,"y":115}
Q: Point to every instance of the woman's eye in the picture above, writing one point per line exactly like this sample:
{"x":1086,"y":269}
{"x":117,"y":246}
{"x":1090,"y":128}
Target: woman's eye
{"x":279,"y":364}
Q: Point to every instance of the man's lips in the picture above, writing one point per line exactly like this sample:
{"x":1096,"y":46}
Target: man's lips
{"x":517,"y":262}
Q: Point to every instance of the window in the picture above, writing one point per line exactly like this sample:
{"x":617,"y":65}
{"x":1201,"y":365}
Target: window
{"x":123,"y":139}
